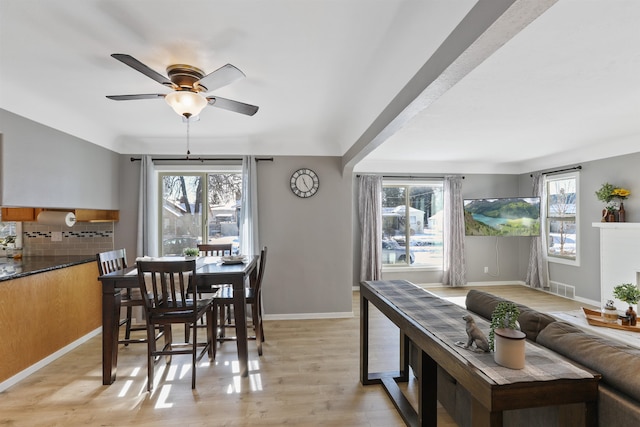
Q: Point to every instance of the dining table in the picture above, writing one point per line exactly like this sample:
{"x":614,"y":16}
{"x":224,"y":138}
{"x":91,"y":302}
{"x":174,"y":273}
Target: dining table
{"x":209,"y":271}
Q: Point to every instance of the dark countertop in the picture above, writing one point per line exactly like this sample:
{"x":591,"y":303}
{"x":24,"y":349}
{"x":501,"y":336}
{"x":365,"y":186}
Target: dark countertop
{"x":15,"y":268}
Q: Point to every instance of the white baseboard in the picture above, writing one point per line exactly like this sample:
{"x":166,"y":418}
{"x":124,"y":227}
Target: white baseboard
{"x":309,"y":316}
{"x":44,"y":362}
{"x":497,"y":283}
{"x":439,"y":285}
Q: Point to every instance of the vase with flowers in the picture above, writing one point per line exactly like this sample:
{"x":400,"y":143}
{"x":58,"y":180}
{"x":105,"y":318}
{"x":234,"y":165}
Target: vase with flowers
{"x":613,"y":197}
{"x":630,"y":294}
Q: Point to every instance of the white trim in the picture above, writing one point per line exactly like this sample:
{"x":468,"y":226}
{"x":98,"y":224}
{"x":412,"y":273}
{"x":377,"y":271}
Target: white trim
{"x":44,"y":362}
{"x":623,"y":225}
{"x":309,"y":316}
{"x":494,"y":283}
{"x":588,"y":301}
{"x":544,"y":225}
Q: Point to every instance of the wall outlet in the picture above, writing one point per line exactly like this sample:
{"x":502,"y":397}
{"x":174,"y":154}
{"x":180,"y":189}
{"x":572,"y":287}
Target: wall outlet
{"x":56,"y":236}
{"x":486,"y":269}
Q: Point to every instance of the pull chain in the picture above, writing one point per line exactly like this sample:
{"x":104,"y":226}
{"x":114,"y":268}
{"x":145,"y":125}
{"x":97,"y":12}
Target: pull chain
{"x":188,"y":151}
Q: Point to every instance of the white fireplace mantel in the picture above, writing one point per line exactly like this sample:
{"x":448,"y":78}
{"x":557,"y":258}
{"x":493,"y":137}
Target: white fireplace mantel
{"x":621,"y":225}
{"x":619,"y":257}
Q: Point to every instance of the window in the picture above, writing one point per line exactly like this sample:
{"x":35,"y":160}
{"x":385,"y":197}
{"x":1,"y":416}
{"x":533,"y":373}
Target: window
{"x":199,"y":207}
{"x":412,"y":212}
{"x":562,"y":217}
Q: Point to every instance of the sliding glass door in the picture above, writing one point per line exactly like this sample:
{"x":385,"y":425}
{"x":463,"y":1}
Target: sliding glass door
{"x":199,"y":207}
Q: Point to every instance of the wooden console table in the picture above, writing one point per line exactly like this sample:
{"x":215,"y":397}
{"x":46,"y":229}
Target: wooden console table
{"x":433,"y":325}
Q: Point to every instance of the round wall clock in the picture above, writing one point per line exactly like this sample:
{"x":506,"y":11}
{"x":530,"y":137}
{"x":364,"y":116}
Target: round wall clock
{"x":304,"y":183}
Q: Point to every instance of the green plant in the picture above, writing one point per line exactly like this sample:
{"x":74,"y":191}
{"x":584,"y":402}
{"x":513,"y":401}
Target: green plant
{"x":627,"y":292}
{"x":505,"y":315}
{"x":608,"y":192}
{"x":191,"y":252}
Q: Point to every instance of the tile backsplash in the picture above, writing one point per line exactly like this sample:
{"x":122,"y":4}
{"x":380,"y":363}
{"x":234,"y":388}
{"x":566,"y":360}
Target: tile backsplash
{"x":84,"y":238}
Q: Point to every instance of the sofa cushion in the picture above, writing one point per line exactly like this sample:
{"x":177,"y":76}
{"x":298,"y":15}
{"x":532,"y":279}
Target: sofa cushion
{"x":531,"y":321}
{"x":482,"y":303}
{"x":618,"y":363}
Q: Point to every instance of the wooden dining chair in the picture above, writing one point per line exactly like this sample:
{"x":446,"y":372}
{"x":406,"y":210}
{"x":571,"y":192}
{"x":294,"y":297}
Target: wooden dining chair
{"x":165,"y":286}
{"x":109,"y":262}
{"x":215,"y":249}
{"x":223,"y":300}
{"x":210,"y":249}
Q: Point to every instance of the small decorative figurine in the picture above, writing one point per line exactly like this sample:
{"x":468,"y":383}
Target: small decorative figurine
{"x":475,"y":336}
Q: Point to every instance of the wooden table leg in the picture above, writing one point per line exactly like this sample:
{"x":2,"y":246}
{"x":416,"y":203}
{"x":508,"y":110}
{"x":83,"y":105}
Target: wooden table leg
{"x":240,"y":313}
{"x":364,"y":341}
{"x":427,"y":391}
{"x":482,"y":417}
{"x":111,"y":301}
{"x":591,"y":414}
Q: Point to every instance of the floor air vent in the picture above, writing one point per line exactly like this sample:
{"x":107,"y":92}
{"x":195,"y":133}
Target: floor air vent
{"x":562,"y":290}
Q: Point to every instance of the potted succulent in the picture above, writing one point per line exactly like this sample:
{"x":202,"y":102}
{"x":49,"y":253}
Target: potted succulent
{"x":505,"y":340}
{"x":505,"y":315}
{"x":191,"y":252}
{"x":630,"y":294}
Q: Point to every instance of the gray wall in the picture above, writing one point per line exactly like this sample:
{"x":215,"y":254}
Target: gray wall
{"x":501,"y":255}
{"x":309,"y":257}
{"x":313,"y":243}
{"x":309,"y":240}
{"x":620,"y":171}
{"x":43,"y":167}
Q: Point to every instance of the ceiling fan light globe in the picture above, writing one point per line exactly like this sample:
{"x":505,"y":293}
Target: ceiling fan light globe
{"x":186,"y":103}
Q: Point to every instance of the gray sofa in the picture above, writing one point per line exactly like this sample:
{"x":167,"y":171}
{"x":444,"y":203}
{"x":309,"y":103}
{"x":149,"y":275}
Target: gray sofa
{"x":619,"y":388}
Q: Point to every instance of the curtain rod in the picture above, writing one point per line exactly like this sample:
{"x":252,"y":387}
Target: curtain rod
{"x":560,"y":170}
{"x":201,"y":159}
{"x":410,"y":177}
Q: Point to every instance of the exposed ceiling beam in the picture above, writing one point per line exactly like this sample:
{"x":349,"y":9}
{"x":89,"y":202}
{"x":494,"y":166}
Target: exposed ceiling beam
{"x":487,"y":27}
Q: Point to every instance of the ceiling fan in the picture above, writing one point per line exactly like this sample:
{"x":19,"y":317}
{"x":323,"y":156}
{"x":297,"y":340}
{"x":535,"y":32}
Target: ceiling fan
{"x":188,"y":84}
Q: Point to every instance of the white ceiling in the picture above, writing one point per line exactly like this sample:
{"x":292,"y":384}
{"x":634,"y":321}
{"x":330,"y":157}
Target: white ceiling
{"x":340,"y":78}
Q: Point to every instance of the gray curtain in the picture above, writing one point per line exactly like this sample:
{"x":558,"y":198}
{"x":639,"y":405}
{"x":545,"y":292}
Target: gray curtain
{"x":249,"y":244}
{"x":147,"y":239}
{"x":538,"y":270}
{"x":370,"y":214}
{"x":454,"y":263}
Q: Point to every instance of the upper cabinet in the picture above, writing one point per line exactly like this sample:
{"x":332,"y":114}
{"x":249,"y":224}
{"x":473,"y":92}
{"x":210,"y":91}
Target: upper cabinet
{"x":18,"y":214}
{"x":82,"y":215}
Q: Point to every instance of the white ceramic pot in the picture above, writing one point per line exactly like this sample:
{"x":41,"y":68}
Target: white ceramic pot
{"x":509,"y":348}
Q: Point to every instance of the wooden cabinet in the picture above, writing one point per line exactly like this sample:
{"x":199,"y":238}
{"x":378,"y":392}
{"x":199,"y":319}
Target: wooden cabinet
{"x":45,"y":312}
{"x":18,"y":214}
{"x":82,"y":215}
{"x":96,"y":215}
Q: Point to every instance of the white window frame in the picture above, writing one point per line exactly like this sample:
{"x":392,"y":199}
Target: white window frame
{"x":547,"y":218}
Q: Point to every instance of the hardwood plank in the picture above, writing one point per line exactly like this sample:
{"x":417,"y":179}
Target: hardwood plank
{"x":308,"y":376}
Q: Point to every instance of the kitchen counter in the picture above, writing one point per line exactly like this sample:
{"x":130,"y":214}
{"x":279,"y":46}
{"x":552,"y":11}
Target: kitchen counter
{"x":28,"y":265}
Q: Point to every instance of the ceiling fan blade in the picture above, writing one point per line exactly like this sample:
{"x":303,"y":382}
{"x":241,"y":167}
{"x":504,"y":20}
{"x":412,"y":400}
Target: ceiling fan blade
{"x":221,"y":77}
{"x":139,"y":66}
{"x":235,"y":106}
{"x":131,"y":97}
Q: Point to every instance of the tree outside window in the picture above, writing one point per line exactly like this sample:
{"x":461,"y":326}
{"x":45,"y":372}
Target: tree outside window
{"x":199,"y":208}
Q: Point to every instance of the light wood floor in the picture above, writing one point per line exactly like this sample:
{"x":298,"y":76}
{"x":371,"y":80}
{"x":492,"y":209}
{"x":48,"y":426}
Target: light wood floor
{"x":308,"y":375}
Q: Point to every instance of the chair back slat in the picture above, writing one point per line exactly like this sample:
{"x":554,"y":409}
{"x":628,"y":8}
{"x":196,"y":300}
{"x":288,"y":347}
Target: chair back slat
{"x":219,"y":249}
{"x":166,"y":284}
{"x":262,"y":265}
{"x":111,"y":261}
